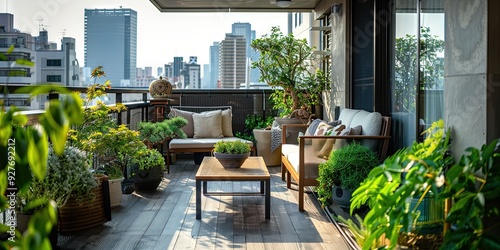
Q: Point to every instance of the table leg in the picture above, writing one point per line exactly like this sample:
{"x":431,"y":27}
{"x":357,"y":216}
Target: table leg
{"x":262,"y":187}
{"x":268,"y":200}
{"x":205,"y":188}
{"x":198,"y":199}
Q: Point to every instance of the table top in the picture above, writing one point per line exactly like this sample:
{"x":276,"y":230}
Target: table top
{"x":254,"y":168}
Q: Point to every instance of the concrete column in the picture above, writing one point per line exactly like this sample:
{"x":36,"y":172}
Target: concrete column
{"x":472,"y":94}
{"x":340,"y":51}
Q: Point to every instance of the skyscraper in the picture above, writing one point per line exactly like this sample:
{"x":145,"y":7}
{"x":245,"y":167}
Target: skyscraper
{"x":214,"y":65}
{"x":111,"y":42}
{"x":245,"y":29}
{"x":232,"y":66}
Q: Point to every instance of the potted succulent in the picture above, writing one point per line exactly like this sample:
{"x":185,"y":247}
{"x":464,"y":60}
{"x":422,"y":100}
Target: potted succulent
{"x":290,"y":66}
{"x":146,"y":169}
{"x":231,"y":154}
{"x":342,"y":173}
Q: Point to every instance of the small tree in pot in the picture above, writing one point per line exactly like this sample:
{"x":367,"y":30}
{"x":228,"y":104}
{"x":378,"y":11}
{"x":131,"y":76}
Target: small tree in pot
{"x":288,"y":65}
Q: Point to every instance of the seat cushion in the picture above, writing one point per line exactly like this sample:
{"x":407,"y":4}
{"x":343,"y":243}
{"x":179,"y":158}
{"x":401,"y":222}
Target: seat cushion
{"x":201,"y":142}
{"x":311,"y":162}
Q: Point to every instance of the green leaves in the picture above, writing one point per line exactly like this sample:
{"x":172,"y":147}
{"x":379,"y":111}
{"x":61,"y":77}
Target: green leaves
{"x":390,"y":188}
{"x":474,"y":187}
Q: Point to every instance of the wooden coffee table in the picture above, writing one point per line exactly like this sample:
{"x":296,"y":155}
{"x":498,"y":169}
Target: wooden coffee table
{"x":254,"y":169}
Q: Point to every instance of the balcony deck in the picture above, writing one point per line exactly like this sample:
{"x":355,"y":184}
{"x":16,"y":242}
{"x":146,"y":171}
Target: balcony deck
{"x":165,"y":219}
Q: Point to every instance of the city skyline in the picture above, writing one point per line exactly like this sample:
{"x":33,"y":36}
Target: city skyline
{"x":192,"y":34}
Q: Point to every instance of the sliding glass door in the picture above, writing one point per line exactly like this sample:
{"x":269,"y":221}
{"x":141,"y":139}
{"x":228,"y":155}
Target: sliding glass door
{"x":417,"y":68}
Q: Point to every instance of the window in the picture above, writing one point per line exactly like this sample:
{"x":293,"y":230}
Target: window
{"x":53,"y":78}
{"x":417,"y":68}
{"x":54,"y":62}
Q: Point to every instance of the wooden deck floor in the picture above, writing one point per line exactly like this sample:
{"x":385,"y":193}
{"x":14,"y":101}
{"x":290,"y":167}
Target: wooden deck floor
{"x":165,"y":219}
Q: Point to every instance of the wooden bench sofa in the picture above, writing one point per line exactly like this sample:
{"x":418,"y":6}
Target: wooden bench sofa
{"x":300,"y":161}
{"x":206,"y":126}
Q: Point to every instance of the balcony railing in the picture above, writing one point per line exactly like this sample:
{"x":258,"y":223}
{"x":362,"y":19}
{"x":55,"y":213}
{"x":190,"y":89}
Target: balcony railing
{"x":244,"y":102}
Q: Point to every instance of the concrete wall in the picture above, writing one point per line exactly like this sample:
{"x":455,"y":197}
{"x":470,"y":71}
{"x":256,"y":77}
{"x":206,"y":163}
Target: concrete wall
{"x":470,"y":95}
{"x":339,"y":93}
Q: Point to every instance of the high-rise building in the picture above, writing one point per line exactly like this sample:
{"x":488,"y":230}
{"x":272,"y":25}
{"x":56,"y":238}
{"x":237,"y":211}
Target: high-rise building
{"x":159,"y":71}
{"x":214,"y":65}
{"x":232,"y":61}
{"x":111,"y":42}
{"x":245,"y":29}
{"x":178,"y":66}
{"x":169,"y":73}
{"x":192,"y":74}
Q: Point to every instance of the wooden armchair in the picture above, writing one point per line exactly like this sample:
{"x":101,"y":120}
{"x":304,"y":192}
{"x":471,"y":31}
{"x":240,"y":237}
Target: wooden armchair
{"x":300,"y":162}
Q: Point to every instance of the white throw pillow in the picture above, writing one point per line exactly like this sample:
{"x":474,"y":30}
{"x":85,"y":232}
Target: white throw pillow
{"x":208,"y":124}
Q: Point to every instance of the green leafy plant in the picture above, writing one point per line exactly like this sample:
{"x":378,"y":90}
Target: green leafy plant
{"x":289,"y":65}
{"x":68,"y":175}
{"x":147,"y":158}
{"x":231,"y":147}
{"x":24,"y":149}
{"x":254,"y":122}
{"x":473,"y":184}
{"x":116,"y":147}
{"x":347,"y":166}
{"x":153,"y":133}
{"x":411,"y":173}
{"x":96,"y":118}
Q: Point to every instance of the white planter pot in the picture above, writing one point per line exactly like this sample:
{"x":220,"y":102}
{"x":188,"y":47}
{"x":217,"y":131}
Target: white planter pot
{"x":115,"y":191}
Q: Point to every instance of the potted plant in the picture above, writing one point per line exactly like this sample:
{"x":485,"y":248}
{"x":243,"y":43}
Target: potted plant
{"x":290,"y":66}
{"x":70,"y":182}
{"x":396,"y":189}
{"x":342,"y":173}
{"x":146,"y":169}
{"x":231,"y":154}
{"x":116,"y":148}
{"x":473,"y":187}
{"x":155,"y":133}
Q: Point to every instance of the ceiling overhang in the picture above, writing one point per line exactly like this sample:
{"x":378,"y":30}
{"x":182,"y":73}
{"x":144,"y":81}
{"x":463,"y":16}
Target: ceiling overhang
{"x":233,"y":6}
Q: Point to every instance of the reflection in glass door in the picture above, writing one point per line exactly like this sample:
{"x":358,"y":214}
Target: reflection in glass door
{"x":416,"y":66}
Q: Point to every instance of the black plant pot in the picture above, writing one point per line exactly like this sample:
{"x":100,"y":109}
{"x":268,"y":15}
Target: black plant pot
{"x":147,"y":179}
{"x":342,"y":197}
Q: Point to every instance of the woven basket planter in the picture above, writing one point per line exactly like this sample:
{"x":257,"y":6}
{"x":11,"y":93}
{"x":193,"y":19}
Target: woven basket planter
{"x":94,"y":211}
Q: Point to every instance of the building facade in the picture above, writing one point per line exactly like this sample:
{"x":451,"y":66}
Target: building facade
{"x":10,"y":71}
{"x":232,"y":61}
{"x":214,"y":65}
{"x":111,"y":42}
{"x":192,"y":74}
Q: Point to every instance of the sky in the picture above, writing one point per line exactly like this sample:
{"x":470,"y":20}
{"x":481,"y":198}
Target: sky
{"x":160,"y":36}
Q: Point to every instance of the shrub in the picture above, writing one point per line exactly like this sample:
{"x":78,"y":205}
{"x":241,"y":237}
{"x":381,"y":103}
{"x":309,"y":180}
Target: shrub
{"x":347,"y":166}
